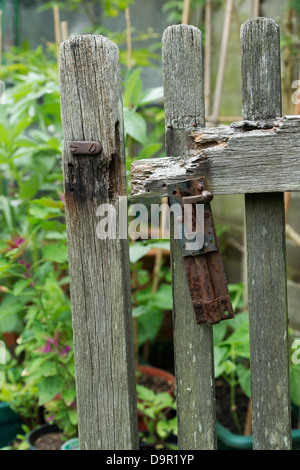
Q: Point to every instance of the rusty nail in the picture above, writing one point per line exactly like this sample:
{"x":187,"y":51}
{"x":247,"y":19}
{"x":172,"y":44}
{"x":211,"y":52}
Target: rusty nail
{"x":194,"y":125}
{"x":169,"y":126}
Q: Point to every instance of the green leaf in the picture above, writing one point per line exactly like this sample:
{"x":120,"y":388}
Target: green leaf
{"x":244,"y":377}
{"x":153,"y":94}
{"x":137,"y":251}
{"x":149,"y":150}
{"x":135,"y":125}
{"x":42,"y":271}
{"x":73,"y":417}
{"x":48,"y":388}
{"x":20,"y":286}
{"x":48,"y":202}
{"x":149,"y":325}
{"x":163,"y":297}
{"x":220,"y":354}
{"x":140,"y":310}
{"x":219,"y":332}
{"x":239,"y":341}
{"x":29,"y":187}
{"x":7,"y":211}
{"x":69,"y":396}
{"x":56,"y":252}
{"x":21,"y":125}
{"x":11,"y":323}
{"x":144,"y":393}
{"x":133,"y":88}
{"x":295,"y":383}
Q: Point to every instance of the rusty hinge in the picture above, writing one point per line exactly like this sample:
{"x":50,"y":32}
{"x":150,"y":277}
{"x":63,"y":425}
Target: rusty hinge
{"x":200,"y":250}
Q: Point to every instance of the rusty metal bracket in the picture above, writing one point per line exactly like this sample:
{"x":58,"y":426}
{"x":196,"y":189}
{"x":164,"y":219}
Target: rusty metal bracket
{"x":86,"y":147}
{"x":203,"y":265}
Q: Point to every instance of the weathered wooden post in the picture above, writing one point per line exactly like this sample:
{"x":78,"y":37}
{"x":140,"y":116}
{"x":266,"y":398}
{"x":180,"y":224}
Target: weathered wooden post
{"x":265,"y":232}
{"x":94,"y":174}
{"x":193,"y":346}
{"x":255,"y":156}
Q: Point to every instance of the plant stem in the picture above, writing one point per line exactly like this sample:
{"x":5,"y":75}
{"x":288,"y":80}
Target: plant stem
{"x":233,"y":407}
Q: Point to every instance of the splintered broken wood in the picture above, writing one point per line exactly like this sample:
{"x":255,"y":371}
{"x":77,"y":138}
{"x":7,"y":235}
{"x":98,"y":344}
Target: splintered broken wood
{"x":246,"y":157}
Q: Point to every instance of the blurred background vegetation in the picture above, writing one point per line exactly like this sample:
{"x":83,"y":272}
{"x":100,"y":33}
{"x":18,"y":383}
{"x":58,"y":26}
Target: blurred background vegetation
{"x":35,"y":310}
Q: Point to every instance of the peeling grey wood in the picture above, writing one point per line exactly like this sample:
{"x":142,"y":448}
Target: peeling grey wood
{"x":91,"y":104}
{"x":265,"y":233}
{"x":193,"y":344}
{"x":247,"y":157}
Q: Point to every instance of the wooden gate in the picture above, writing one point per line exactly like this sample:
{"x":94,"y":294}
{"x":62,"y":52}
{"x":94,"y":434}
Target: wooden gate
{"x":257,"y":157}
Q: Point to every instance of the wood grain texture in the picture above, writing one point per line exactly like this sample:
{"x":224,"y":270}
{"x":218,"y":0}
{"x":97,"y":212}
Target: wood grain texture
{"x":193,"y":344}
{"x":265,"y":233}
{"x":247,"y":157}
{"x":91,"y":107}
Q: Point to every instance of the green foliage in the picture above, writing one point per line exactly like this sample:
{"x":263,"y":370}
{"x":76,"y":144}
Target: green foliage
{"x":155,"y":409}
{"x":111,"y":8}
{"x":232,"y":353}
{"x":34,"y":282}
{"x":294,"y":4}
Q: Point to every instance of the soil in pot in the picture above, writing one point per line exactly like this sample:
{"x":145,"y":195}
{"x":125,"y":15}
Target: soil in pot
{"x":51,"y":441}
{"x":223,"y":406}
{"x":45,"y":437}
{"x":156,"y":380}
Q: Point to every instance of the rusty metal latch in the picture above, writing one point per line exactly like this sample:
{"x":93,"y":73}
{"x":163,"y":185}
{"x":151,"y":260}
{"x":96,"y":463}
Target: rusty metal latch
{"x":200,"y":250}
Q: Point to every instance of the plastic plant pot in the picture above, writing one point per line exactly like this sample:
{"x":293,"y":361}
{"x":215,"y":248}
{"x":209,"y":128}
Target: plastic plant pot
{"x":10,"y":424}
{"x":40,"y":431}
{"x":71,"y":444}
{"x":230,"y":441}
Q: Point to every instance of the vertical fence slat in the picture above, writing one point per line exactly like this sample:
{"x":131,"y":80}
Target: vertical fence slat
{"x":265,"y":229}
{"x":193,"y":344}
{"x":91,"y":107}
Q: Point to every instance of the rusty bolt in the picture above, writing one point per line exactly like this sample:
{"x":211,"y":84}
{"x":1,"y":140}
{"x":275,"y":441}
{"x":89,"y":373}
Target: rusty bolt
{"x":92,"y":148}
{"x":200,"y":186}
{"x":73,"y":147}
{"x":207,"y":196}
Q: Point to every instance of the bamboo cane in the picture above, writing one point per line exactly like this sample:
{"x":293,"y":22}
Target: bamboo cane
{"x":64,"y":30}
{"x":129,"y":42}
{"x":256,"y":8}
{"x":207,"y":56}
{"x":57,"y":32}
{"x":222,"y":60}
{"x":186,"y":11}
